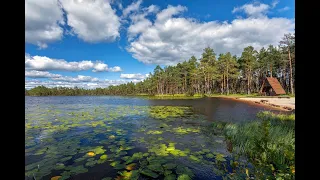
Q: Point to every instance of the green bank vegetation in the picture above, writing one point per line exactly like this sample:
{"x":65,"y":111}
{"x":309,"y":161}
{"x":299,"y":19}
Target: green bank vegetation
{"x":211,"y":74}
{"x":268,"y":143}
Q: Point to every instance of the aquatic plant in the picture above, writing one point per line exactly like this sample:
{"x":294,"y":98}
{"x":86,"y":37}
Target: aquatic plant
{"x":269,"y":144}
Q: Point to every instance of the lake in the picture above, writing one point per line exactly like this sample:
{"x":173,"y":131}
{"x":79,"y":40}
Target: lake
{"x":108,"y":137}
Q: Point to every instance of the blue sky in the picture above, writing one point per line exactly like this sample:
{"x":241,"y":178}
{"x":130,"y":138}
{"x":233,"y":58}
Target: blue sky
{"x":97,"y":43}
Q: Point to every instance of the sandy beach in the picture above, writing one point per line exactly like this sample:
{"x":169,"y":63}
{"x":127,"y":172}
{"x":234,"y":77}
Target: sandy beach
{"x":284,"y":103}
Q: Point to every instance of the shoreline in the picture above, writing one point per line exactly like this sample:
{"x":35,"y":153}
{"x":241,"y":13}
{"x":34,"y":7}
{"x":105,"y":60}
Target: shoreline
{"x":285,"y":104}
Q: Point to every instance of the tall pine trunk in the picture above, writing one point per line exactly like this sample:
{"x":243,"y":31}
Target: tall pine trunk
{"x":291,"y":78}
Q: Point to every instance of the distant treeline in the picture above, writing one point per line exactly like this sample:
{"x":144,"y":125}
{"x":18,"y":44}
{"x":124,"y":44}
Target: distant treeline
{"x":208,"y":75}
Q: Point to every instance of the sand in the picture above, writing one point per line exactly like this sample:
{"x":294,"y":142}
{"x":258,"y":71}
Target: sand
{"x":284,"y":103}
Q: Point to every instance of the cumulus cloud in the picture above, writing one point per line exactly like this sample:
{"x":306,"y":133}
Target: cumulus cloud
{"x":139,"y":23}
{"x":131,"y":8}
{"x":169,"y":12}
{"x":80,"y":84}
{"x":274,"y":3}
{"x":170,"y":39}
{"x":41,"y":74}
{"x":115,"y":69}
{"x":42,"y":22}
{"x":284,"y":9}
{"x":99,"y":67}
{"x":152,"y":9}
{"x":132,"y":76}
{"x":256,"y":9}
{"x":43,"y":63}
{"x":79,"y":78}
{"x":92,"y":21}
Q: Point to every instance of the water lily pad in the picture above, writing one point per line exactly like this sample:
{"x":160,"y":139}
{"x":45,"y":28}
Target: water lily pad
{"x":107,"y":178}
{"x":149,"y":173}
{"x":194,"y":158}
{"x":169,"y":166}
{"x":121,"y":153}
{"x":209,"y":155}
{"x":125,"y":174}
{"x":65,"y":158}
{"x":104,"y":157}
{"x":184,"y":170}
{"x":138,"y":155}
{"x":131,"y":166}
{"x":100,"y":161}
{"x":55,"y":178}
{"x":80,"y":159}
{"x":90,"y":159}
{"x":220,"y":157}
{"x":125,"y":158}
{"x":183,"y":177}
{"x":155,"y":167}
{"x":170,"y":177}
{"x":120,"y":166}
{"x":218,"y":172}
{"x":206,"y":150}
{"x":77,"y":169}
{"x":59,"y":166}
{"x":135,"y":175}
{"x":91,"y":163}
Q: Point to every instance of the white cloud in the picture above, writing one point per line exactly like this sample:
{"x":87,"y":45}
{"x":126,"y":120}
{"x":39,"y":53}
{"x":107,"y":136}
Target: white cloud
{"x":253,"y":10}
{"x":132,"y":76}
{"x":42,"y":22}
{"x":274,"y":3}
{"x":43,"y":63}
{"x":170,"y":40}
{"x":284,"y":9}
{"x":115,"y":69}
{"x":139,"y":22}
{"x":79,"y":78}
{"x":169,"y":12}
{"x":99,"y":67}
{"x":131,"y":8}
{"x":92,"y":21}
{"x":80,"y":84}
{"x":41,"y":74}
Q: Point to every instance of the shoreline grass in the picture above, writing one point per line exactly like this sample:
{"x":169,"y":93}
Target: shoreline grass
{"x":268,"y":143}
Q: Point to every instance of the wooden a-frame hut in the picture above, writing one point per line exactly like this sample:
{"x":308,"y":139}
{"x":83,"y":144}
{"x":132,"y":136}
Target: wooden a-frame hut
{"x":271,"y":87}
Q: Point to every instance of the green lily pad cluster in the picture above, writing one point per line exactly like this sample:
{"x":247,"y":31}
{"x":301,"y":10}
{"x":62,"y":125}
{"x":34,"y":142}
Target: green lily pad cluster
{"x":135,"y":141}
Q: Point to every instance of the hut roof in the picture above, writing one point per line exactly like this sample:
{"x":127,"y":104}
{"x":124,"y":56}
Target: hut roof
{"x":276,"y":86}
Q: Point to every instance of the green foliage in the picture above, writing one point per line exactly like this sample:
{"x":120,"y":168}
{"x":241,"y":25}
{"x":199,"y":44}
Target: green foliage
{"x":228,"y":74}
{"x":269,"y":143}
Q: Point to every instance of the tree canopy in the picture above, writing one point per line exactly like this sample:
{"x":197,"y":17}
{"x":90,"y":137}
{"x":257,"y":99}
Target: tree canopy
{"x":206,"y":75}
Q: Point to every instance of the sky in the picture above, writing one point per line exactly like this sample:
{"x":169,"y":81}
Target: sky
{"x":98,"y":43}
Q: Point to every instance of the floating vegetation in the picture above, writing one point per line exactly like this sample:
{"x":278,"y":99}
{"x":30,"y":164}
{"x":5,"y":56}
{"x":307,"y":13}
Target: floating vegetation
{"x":103,"y":157}
{"x":149,"y":173}
{"x":55,"y":178}
{"x":91,"y":154}
{"x":138,"y":142}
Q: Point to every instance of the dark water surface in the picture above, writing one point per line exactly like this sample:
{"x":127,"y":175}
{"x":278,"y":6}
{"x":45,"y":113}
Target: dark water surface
{"x":70,"y":136}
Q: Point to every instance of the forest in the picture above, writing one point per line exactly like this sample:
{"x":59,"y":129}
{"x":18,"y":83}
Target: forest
{"x":211,"y":74}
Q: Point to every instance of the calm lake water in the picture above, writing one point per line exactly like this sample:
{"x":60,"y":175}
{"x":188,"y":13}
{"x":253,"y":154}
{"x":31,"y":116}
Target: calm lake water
{"x":108,"y":137}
